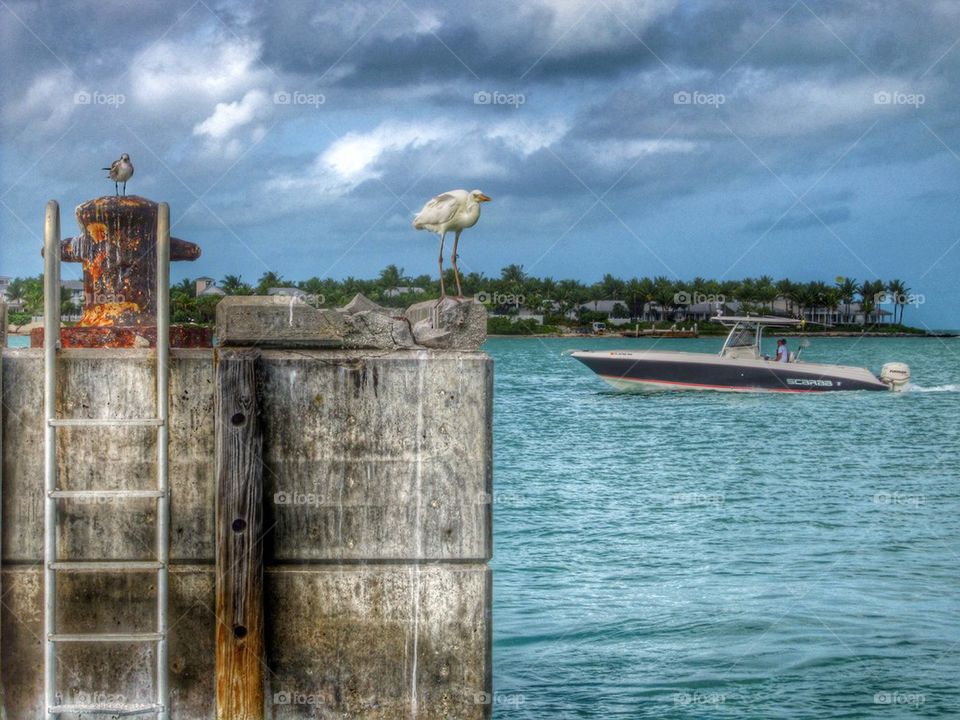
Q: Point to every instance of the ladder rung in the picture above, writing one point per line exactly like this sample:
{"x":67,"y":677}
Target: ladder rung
{"x":106,"y":637}
{"x":107,"y":494}
{"x":101,"y":422}
{"x":106,"y":565}
{"x":122,"y":710}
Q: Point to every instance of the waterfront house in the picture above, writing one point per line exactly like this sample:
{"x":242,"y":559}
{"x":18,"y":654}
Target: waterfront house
{"x":402,"y":290}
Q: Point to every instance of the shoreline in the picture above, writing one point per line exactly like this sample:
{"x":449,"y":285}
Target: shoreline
{"x":617,"y":336}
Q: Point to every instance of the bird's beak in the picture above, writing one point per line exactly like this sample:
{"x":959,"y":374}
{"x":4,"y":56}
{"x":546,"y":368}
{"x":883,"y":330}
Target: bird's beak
{"x":483,"y":198}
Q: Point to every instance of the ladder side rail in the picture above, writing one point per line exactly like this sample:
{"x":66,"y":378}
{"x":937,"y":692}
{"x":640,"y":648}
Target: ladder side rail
{"x":163,"y":436}
{"x":51,"y":339}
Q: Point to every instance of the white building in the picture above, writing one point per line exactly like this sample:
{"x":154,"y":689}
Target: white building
{"x":403,"y":290}
{"x":286,"y":291}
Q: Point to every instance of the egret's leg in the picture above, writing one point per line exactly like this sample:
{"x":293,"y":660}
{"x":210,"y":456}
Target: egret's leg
{"x":443,"y":293}
{"x":116,"y":188}
{"x":456,"y":273}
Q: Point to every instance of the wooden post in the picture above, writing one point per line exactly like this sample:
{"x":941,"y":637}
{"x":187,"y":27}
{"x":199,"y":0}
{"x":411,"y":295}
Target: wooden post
{"x":239,"y":553}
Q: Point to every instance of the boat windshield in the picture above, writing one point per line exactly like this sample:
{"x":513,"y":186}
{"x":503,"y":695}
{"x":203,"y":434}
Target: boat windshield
{"x":743,"y":341}
{"x":742,"y":336}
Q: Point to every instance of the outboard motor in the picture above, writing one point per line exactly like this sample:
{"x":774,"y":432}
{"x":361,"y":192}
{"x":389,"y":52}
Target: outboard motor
{"x":895,"y":375}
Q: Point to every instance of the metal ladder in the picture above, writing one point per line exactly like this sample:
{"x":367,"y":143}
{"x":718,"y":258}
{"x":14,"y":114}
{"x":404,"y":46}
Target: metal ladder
{"x":52,"y":493}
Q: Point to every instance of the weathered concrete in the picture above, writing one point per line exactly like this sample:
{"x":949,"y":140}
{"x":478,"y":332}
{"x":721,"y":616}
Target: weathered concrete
{"x":453,"y":323}
{"x":291,"y":322}
{"x":377,"y":480}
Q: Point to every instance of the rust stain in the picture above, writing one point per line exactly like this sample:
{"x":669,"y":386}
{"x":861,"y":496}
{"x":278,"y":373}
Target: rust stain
{"x":107,"y":314}
{"x":98,"y":231}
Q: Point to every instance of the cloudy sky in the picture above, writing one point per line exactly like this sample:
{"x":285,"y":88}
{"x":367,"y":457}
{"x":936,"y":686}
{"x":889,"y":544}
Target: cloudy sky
{"x":660,"y":137}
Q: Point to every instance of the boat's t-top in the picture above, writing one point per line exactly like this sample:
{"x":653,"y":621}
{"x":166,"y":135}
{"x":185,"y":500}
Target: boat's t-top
{"x":746,"y":334}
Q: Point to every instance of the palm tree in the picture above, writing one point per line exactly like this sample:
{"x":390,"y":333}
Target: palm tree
{"x":870,"y":291}
{"x":766,"y":292}
{"x":664,"y":292}
{"x":788,"y":291}
{"x":185,"y":287}
{"x":818,"y":296}
{"x":268,"y":280}
{"x":391,"y":276}
{"x":17,"y":291}
{"x":234,"y":285}
{"x":611,"y":288}
{"x":846,"y":291}
{"x":831,"y":300}
{"x":899,"y":290}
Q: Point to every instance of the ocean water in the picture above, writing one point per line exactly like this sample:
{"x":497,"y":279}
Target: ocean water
{"x":708,"y":555}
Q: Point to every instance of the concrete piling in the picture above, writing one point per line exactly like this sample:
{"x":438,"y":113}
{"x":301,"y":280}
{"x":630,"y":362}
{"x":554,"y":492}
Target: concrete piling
{"x":375,"y":496}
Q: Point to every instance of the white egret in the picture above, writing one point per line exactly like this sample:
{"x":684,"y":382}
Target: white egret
{"x":120,"y":171}
{"x":454,"y":210}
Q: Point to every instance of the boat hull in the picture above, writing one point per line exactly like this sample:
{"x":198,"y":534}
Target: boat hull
{"x":665,"y":370}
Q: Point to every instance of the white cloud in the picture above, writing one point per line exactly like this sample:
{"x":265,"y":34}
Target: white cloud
{"x":565,"y":27}
{"x":228,"y":117}
{"x":47,"y":104}
{"x":613,"y":153}
{"x":765,"y":103}
{"x":173,"y":74}
{"x":354,"y":156}
{"x":469,"y":149}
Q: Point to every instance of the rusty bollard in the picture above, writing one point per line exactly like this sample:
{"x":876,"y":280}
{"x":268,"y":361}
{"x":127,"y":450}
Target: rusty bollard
{"x":118,"y":249}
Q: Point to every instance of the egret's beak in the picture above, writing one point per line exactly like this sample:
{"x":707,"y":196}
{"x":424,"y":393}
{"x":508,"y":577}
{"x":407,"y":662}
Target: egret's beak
{"x":482,"y":198}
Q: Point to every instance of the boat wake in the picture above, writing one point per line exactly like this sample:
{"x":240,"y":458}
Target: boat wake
{"x":936,"y":388}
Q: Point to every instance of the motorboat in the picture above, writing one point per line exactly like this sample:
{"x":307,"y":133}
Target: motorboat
{"x":740,"y":366}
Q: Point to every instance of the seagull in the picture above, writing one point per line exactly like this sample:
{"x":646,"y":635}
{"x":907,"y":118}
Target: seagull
{"x":453,"y":210}
{"x":120,"y":171}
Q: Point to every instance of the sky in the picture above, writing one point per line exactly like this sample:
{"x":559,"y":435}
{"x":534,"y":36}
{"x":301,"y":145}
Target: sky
{"x":796,"y":139}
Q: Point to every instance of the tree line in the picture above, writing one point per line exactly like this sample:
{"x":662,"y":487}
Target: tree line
{"x":514,"y":289}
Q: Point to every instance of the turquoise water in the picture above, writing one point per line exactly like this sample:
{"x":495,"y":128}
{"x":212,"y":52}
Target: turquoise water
{"x":708,"y":555}
{"x":18,"y":341}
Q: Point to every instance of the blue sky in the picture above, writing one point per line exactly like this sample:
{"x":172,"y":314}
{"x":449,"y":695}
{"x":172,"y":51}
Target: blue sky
{"x":723,"y":139}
